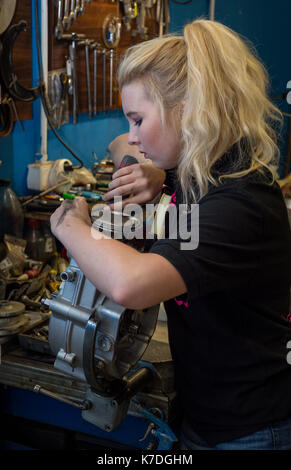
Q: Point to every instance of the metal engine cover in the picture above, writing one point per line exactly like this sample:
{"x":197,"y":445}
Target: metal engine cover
{"x":92,"y":336}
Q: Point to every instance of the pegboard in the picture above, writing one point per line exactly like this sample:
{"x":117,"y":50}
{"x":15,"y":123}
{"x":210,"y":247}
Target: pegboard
{"x":91,"y":25}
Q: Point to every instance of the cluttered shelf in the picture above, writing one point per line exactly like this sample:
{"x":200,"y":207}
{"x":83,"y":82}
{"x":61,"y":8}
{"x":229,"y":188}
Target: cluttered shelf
{"x":31,"y":259}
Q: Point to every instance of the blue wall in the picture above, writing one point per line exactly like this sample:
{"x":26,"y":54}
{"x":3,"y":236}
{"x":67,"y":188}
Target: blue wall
{"x":265,"y":24}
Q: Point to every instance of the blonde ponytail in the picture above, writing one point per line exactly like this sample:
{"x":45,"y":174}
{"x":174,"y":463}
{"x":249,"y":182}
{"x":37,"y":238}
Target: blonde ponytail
{"x":223,"y":88}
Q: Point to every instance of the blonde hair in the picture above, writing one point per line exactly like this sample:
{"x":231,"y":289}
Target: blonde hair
{"x":222,"y":86}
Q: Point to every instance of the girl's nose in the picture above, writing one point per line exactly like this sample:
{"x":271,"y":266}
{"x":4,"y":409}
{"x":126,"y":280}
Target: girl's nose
{"x":132,"y":137}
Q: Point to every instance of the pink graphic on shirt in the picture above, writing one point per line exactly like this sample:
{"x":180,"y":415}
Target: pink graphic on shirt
{"x":180,"y":303}
{"x":289,"y":316}
{"x":173,"y":200}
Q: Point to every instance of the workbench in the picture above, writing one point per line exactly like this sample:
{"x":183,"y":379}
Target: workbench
{"x":40,"y":422}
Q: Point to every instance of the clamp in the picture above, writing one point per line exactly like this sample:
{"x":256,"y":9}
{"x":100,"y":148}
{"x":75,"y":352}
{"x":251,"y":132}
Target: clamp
{"x":158,"y":428}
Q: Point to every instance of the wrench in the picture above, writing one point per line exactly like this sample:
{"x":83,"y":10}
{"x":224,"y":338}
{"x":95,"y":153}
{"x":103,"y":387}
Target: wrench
{"x":87,"y":60}
{"x":104,"y":80}
{"x":87,"y":44}
{"x":78,"y":8}
{"x":72,"y":14}
{"x":82,"y":7}
{"x":72,"y":54}
{"x":66,"y":18}
{"x":95,"y":47}
{"x":111,"y":55}
{"x":59,"y":26}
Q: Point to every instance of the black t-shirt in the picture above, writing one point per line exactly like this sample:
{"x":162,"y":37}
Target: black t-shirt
{"x":228,"y":334}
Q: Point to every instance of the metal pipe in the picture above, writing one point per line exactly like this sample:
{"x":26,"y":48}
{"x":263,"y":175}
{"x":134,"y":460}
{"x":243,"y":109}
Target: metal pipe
{"x":85,"y":405}
{"x":44,"y":55}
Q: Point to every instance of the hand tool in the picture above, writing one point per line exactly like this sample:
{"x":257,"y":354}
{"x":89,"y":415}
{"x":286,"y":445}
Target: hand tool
{"x":65,"y":85}
{"x":82,"y":7}
{"x":111,"y":55}
{"x":129,"y":13}
{"x":66,"y":18}
{"x":87,"y":194}
{"x":87,"y":44}
{"x":72,"y":52}
{"x":104,"y":52}
{"x":72,"y":14}
{"x":111,"y":31}
{"x":142,"y":30}
{"x":69,"y":75}
{"x":51,"y":188}
{"x":59,"y":25}
{"x":78,"y":9}
{"x":87,"y":62}
{"x":95,"y":46}
{"x":71,"y":64}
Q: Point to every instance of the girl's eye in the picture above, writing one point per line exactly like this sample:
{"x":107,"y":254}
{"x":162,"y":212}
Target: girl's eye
{"x":138,"y":122}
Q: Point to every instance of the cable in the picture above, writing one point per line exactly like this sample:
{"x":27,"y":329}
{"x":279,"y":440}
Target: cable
{"x":42,"y":91}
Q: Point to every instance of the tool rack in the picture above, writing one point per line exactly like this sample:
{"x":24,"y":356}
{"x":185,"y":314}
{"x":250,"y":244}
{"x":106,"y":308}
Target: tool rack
{"x":86,"y":39}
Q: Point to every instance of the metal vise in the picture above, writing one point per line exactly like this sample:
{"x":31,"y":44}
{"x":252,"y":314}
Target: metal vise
{"x":99,"y":341}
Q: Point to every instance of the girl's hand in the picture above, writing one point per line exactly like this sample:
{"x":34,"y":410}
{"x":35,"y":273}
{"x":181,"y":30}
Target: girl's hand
{"x":143,"y":181}
{"x":69,"y":215}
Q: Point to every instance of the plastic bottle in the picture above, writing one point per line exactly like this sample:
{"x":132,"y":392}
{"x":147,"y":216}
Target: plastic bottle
{"x":11,"y":212}
{"x":34,"y":240}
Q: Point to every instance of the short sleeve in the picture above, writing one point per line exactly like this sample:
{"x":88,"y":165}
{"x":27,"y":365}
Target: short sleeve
{"x":229,"y":246}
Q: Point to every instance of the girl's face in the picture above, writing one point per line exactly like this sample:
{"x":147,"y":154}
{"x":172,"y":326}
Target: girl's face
{"x":159,"y":144}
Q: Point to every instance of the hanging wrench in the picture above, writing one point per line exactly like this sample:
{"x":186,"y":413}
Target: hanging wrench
{"x":82,"y":6}
{"x":87,"y":60}
{"x":111,"y":56}
{"x":87,"y":43}
{"x":104,"y":80}
{"x":95,"y":46}
{"x":72,"y":14}
{"x":78,"y":8}
{"x":73,"y":67}
{"x":66,"y":18}
{"x":59,"y":26}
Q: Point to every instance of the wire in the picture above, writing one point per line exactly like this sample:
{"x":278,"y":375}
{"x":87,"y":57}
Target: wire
{"x":42,"y":91}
